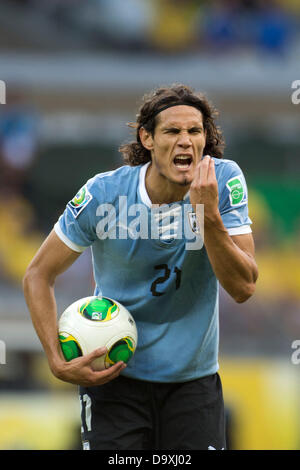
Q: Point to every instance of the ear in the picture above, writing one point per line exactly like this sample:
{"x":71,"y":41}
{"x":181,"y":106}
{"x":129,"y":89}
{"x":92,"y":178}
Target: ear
{"x":146,"y":138}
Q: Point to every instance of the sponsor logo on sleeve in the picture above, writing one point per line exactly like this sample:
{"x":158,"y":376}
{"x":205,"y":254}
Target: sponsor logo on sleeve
{"x":237,"y":190}
{"x":80,"y":201}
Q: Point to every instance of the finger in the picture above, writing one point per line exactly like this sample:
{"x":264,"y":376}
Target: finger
{"x":196,"y":179}
{"x":115,"y":368}
{"x":94,"y":354}
{"x":200,"y":169}
{"x":110,"y":373}
{"x":211,"y":175}
{"x":204,"y":168}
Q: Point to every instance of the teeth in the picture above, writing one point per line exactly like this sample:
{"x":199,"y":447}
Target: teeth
{"x":182,"y":161}
{"x":182,"y":157}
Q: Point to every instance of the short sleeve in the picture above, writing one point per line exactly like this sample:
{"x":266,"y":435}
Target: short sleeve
{"x":233,"y":200}
{"x":76,"y":226}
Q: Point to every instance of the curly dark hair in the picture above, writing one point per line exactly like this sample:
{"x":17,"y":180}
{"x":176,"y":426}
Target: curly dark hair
{"x":134,"y":153}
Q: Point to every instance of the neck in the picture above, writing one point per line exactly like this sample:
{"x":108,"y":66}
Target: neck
{"x":163,"y":191}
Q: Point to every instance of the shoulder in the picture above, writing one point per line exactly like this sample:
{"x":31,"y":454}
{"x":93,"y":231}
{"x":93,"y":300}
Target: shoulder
{"x":104,"y":188}
{"x":111,"y":177}
{"x":113,"y":183}
{"x":227,"y":171}
{"x":225,"y":167}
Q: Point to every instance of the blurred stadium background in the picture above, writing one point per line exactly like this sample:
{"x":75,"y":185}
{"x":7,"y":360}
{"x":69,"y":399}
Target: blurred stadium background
{"x":75,"y":71}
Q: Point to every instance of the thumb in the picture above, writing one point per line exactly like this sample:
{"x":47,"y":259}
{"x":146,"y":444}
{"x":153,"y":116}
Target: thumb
{"x":96,"y":353}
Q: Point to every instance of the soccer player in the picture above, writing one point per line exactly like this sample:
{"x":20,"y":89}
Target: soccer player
{"x":145,"y":228}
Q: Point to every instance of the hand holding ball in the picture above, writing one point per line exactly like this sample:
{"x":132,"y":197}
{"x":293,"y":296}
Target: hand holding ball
{"x":94,"y":322}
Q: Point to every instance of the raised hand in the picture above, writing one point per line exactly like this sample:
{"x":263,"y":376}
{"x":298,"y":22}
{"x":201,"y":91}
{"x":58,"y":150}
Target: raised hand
{"x":204,"y":188}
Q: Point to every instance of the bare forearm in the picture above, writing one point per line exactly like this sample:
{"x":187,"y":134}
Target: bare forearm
{"x":52,"y":259}
{"x":39,"y":295}
{"x":232,"y":259}
{"x":40,"y":298}
{"x":235,"y":269}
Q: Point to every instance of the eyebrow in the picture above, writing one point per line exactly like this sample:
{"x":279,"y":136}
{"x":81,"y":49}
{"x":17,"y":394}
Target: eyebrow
{"x":174,"y":127}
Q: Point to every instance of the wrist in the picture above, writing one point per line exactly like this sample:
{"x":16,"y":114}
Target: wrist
{"x":56,"y":364}
{"x":213,"y":220}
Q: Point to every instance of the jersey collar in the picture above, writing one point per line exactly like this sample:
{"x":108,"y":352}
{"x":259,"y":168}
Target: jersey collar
{"x":142,"y":186}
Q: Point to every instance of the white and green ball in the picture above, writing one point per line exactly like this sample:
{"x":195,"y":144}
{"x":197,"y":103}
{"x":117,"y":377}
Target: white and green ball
{"x":94,"y":322}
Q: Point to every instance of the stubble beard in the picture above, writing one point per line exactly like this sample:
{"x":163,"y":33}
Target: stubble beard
{"x":186,"y":182}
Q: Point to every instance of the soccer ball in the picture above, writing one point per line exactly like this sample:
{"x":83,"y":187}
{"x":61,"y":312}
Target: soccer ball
{"x":94,"y":322}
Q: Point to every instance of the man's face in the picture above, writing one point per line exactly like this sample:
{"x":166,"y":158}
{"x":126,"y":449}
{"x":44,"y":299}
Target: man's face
{"x":178,"y":143}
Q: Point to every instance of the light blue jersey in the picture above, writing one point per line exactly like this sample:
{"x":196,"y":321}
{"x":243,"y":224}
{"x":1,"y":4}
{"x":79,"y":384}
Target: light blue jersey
{"x":152,"y":261}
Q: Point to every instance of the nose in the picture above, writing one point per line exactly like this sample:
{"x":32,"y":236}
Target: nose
{"x":184,"y":140}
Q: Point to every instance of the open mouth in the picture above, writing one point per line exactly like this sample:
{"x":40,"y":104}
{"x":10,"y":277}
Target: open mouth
{"x":183,"y":162}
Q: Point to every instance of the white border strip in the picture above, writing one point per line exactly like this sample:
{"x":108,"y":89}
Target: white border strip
{"x":2,"y":92}
{"x":242,"y":230}
{"x":67,"y":241}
